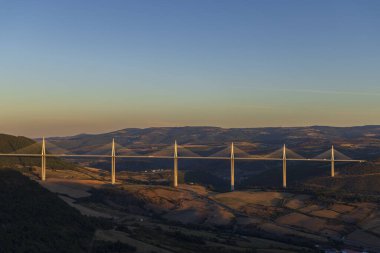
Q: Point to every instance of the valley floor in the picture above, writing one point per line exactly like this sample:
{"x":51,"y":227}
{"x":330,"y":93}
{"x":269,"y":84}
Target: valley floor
{"x":191,"y":218}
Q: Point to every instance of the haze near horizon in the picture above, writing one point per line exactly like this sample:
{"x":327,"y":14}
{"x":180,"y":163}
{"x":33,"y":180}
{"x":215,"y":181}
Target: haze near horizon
{"x":70,"y":67}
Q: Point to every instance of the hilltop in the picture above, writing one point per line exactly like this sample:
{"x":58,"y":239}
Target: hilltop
{"x":354,"y":141}
{"x":19,"y":144}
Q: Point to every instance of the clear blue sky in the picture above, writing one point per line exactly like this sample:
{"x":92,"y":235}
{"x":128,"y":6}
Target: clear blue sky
{"x":68,"y":67}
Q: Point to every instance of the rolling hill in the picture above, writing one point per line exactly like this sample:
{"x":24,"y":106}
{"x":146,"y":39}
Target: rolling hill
{"x":18,"y":144}
{"x":356,"y":142}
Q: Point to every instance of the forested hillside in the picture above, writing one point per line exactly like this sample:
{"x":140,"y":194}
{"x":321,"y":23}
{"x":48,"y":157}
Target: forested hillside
{"x":35,"y":220}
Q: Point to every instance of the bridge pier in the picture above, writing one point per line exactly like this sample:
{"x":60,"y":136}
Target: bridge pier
{"x":43,"y":160}
{"x":113,"y":163}
{"x":332,"y":161}
{"x":284,"y":167}
{"x":175,"y":172}
{"x":232,"y":167}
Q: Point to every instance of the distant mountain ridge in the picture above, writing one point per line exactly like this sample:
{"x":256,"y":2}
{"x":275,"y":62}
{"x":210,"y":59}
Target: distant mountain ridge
{"x":356,"y":141}
{"x":195,"y":133}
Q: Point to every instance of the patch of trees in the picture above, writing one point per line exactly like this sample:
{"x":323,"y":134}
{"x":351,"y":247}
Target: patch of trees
{"x":330,"y":196}
{"x":186,"y":237}
{"x":204,"y":177}
{"x":113,"y":247}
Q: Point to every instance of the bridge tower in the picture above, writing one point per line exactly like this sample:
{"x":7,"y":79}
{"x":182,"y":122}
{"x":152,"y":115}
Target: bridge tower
{"x":332,"y":161}
{"x":43,"y":160}
{"x":284,"y":167}
{"x":232,"y":167}
{"x":113,"y":163}
{"x":175,"y":172}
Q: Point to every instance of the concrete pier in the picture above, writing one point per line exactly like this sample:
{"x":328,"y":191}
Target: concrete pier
{"x":175,"y":172}
{"x":43,"y":160}
{"x":332,"y":161}
{"x":232,"y":167}
{"x":113,"y":163}
{"x":284,"y":167}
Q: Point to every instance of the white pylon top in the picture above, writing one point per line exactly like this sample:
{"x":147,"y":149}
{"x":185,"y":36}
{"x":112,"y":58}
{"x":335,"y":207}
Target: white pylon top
{"x":232,"y":151}
{"x":113,"y":147}
{"x":43,"y":151}
{"x":175,"y":149}
{"x":332,"y":152}
{"x":284,"y":152}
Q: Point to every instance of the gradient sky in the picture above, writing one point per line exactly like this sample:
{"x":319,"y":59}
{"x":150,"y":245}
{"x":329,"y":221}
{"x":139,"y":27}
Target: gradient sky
{"x":68,"y":67}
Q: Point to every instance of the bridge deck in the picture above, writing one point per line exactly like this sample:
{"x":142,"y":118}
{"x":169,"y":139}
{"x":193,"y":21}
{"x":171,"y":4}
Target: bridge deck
{"x":180,"y":157}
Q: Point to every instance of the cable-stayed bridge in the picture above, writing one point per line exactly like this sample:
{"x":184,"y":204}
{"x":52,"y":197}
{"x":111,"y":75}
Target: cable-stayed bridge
{"x":232,"y":153}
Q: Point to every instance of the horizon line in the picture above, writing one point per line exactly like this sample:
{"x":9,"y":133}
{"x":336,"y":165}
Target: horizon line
{"x":200,"y":126}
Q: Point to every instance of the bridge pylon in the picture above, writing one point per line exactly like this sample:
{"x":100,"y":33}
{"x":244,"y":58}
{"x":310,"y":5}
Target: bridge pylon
{"x":175,"y":172}
{"x":332,"y":161}
{"x":43,"y":160}
{"x":284,"y":166}
{"x":232,"y":167}
{"x":113,"y":163}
